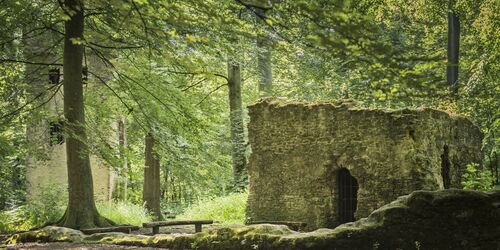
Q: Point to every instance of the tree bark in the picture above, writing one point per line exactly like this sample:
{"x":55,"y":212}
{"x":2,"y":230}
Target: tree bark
{"x":81,"y":211}
{"x":237,"y":129}
{"x":264,"y":48}
{"x":122,"y":140}
{"x":151,"y":192}
{"x":453,"y":51}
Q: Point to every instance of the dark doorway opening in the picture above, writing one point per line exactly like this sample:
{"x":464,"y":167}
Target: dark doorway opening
{"x":445,"y":167}
{"x":347,"y":195}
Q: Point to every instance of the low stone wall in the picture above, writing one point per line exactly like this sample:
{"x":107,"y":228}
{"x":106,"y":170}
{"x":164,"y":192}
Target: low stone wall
{"x":298,"y":147}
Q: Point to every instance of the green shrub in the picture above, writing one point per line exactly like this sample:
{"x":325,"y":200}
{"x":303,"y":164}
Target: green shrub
{"x":228,"y":209}
{"x":124,"y":213}
{"x":49,"y":206}
{"x":5,"y":225}
{"x":173,"y":207}
{"x":477,"y":179}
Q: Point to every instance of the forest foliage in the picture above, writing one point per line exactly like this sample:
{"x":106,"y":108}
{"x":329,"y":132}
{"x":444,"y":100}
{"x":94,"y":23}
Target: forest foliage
{"x":161,"y":65}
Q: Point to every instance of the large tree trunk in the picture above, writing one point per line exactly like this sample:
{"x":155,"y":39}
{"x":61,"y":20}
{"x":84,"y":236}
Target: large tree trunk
{"x":81,"y":211}
{"x":264,"y":48}
{"x":151,"y":192}
{"x":453,"y":50}
{"x":237,"y":129}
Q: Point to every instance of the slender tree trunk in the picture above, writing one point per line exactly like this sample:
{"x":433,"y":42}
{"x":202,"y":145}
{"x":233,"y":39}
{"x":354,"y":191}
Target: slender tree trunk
{"x":122,"y":139}
{"x":453,"y":50}
{"x":174,"y":190}
{"x":264,"y":48}
{"x":164,"y":194}
{"x":81,"y":211}
{"x":151,"y":193}
{"x":237,"y":129}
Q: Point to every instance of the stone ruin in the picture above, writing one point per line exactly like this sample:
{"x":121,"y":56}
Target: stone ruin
{"x":327,"y":163}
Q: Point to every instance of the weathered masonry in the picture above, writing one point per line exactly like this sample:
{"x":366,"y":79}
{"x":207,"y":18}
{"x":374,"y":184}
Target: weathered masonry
{"x":46,"y":167}
{"x":328,"y":163}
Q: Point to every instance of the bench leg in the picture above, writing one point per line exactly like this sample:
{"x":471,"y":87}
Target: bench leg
{"x":197,"y":228}
{"x":156,"y":230}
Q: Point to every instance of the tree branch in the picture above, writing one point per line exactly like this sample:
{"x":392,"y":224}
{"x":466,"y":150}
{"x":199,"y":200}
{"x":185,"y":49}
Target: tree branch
{"x":18,"y":110}
{"x":212,"y":91}
{"x":28,"y":62}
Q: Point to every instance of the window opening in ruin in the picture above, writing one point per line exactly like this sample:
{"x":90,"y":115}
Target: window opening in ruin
{"x":445,"y":167}
{"x":56,"y":134}
{"x":54,"y":76}
{"x":347,"y":195}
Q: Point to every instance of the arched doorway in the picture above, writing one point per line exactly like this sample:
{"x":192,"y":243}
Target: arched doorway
{"x":445,"y":167}
{"x":347,"y":195}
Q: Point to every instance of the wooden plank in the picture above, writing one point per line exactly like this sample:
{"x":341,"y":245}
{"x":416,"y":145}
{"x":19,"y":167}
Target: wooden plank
{"x":122,"y":229}
{"x":176,"y":223}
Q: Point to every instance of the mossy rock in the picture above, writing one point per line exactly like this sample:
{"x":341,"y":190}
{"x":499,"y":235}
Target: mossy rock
{"x":48,"y":234}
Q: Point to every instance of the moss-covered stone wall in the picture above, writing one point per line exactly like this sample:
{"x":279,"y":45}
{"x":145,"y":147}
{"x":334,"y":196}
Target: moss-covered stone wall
{"x":297,"y":147}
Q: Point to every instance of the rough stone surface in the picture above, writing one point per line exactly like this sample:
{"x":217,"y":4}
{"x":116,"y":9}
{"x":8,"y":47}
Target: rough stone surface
{"x":297,"y":148}
{"x":54,"y":173}
{"x":445,"y":219}
{"x":50,"y":170}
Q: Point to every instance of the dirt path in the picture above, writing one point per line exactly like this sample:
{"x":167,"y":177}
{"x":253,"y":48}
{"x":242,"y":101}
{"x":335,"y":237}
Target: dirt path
{"x":71,"y":246}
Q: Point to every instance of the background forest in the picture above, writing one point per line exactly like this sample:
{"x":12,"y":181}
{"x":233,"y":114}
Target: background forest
{"x":171,"y":70}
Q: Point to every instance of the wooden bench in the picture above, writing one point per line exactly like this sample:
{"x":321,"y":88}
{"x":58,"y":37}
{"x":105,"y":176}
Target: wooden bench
{"x":157,"y":224}
{"x":122,"y":229}
{"x":294,"y":225}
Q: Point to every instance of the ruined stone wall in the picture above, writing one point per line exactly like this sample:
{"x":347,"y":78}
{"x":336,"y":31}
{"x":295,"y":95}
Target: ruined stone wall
{"x":297,"y":148}
{"x":49,"y":170}
{"x":53,"y":173}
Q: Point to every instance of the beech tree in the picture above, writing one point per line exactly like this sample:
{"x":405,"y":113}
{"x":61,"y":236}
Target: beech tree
{"x":453,"y":48}
{"x":238,"y":146}
{"x":81,"y":211}
{"x":264,"y":53}
{"x":151,"y":191}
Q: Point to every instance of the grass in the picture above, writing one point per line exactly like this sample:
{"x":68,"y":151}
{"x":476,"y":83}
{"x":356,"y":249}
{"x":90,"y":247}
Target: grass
{"x":50,"y":207}
{"x":36,"y":214}
{"x":124,"y":213}
{"x":228,"y":209}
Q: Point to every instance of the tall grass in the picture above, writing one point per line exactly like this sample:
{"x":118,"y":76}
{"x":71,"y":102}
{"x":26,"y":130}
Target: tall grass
{"x":228,"y":209}
{"x":124,"y":213}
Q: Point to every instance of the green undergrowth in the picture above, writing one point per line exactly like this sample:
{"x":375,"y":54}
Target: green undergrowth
{"x":49,"y":207}
{"x":228,"y":209}
{"x":124,"y":213}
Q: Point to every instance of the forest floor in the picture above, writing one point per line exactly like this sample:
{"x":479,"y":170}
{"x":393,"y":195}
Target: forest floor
{"x":72,"y":246}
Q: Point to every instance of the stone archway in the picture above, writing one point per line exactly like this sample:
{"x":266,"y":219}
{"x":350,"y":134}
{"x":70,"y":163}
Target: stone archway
{"x":347,"y":195}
